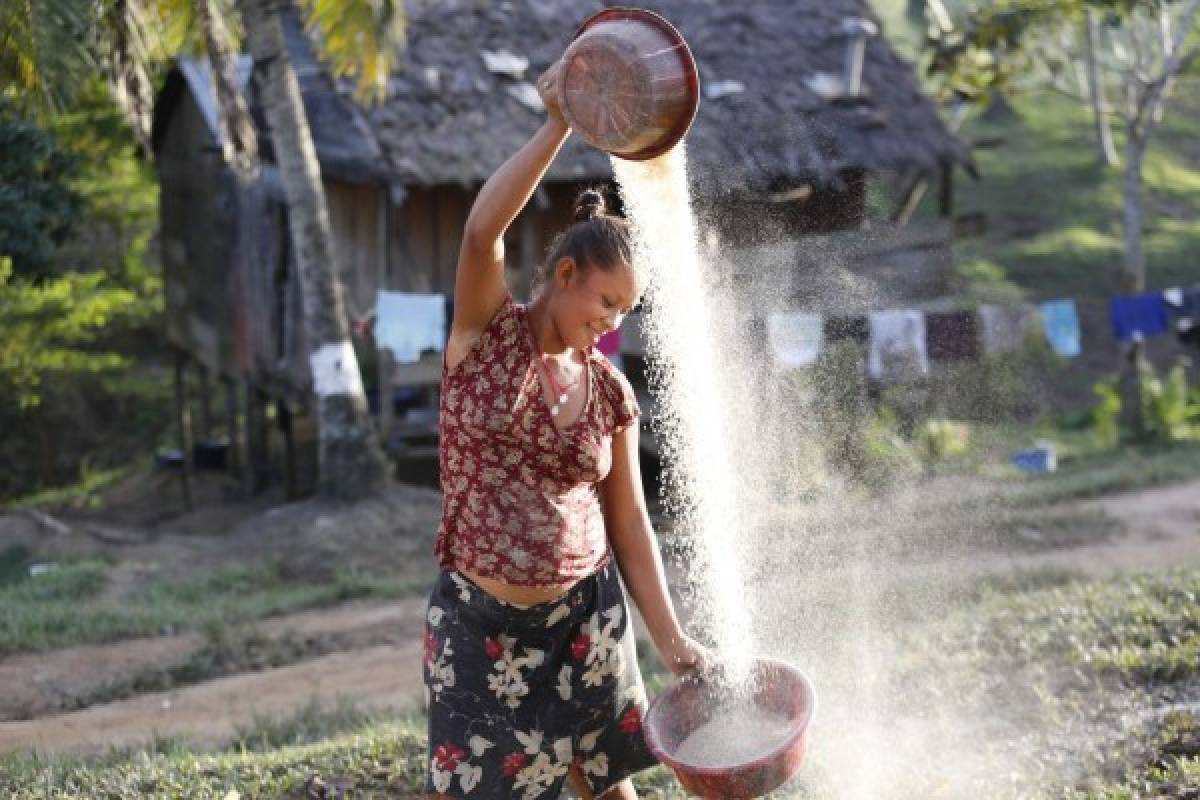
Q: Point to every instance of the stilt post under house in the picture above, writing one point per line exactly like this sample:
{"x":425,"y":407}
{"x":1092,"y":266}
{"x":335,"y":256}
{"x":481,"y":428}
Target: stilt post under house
{"x":183,"y":422}
{"x":284,"y":412}
{"x":233,"y":455}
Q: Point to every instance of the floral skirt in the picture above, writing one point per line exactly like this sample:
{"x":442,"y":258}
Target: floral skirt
{"x":518,"y":695}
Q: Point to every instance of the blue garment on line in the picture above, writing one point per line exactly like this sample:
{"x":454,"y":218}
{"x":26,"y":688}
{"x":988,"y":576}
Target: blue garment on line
{"x":1062,"y":326}
{"x":1136,"y":317}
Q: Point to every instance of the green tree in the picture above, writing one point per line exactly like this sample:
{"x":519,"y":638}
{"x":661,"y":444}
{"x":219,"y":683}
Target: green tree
{"x":127,"y":39}
{"x":360,"y":39}
{"x":38,"y":205}
{"x":1145,"y":47}
{"x":52,"y":326}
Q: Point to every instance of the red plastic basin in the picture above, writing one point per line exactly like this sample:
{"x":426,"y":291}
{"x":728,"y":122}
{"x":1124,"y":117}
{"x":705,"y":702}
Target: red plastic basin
{"x":687,"y":705}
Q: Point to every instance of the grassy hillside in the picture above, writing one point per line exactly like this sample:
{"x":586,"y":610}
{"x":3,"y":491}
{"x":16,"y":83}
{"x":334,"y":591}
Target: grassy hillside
{"x":1054,"y":213}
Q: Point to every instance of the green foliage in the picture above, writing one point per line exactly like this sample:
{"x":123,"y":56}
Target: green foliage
{"x":51,"y":327}
{"x":1053,"y":210}
{"x":360,"y":39}
{"x":38,"y":204}
{"x":1106,"y":413}
{"x":386,"y":760}
{"x":939,"y":439}
{"x":1170,"y":414}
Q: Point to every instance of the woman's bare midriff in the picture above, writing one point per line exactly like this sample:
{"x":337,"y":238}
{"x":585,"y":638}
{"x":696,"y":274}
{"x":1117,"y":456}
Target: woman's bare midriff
{"x":518,"y":595}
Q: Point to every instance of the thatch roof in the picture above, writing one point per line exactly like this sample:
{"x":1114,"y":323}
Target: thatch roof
{"x":448,"y":119}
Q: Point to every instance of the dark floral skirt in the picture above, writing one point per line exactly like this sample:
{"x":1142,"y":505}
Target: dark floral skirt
{"x":518,"y":695}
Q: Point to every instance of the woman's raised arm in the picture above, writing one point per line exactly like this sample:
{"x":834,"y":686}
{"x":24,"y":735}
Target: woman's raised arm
{"x":479,"y":283}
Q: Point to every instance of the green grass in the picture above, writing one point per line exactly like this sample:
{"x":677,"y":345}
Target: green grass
{"x":1055,"y":212}
{"x":1064,"y":638}
{"x":85,"y":493}
{"x":63,"y":607}
{"x":1142,"y":630}
{"x":1097,"y":472}
{"x":384,"y":760}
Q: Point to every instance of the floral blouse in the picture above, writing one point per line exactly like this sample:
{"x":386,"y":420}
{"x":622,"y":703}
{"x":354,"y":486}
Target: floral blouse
{"x":519,"y":495}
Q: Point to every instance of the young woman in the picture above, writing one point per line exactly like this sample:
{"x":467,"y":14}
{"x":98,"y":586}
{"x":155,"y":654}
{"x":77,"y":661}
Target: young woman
{"x":530,"y":668}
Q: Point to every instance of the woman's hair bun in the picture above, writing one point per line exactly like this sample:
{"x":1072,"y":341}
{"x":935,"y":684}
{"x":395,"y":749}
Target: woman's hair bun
{"x":589,"y":205}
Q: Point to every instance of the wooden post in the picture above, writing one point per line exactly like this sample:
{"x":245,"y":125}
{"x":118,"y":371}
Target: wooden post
{"x":206,"y":428}
{"x":233,"y":455}
{"x":946,"y":199}
{"x":910,"y":200}
{"x":183,"y":421}
{"x":385,"y":395}
{"x":249,"y":462}
{"x":284,"y":411}
{"x":384,"y":356}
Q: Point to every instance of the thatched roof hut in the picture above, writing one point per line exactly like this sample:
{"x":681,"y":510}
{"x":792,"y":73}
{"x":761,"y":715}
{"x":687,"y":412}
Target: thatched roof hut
{"x":763,"y":118}
{"x":783,"y":138}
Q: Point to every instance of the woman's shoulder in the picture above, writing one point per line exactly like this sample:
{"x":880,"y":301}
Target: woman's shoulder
{"x":501,"y":334}
{"x":620,"y":405}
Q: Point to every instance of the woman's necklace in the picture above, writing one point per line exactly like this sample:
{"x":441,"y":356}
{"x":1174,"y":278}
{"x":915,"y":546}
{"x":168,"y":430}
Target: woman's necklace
{"x":560,"y":391}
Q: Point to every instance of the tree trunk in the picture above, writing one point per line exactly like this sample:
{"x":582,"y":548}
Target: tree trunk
{"x":235,"y":128}
{"x":351,"y":462}
{"x":1104,"y":137}
{"x":1133,"y":276}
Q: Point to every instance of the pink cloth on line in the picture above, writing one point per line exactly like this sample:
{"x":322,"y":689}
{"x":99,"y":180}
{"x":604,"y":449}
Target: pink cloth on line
{"x":610,"y":343}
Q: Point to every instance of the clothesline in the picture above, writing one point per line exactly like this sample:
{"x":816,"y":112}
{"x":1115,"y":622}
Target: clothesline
{"x":902,"y":343}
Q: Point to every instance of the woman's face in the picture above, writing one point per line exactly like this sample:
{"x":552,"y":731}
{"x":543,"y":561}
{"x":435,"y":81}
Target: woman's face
{"x":590,"y":303}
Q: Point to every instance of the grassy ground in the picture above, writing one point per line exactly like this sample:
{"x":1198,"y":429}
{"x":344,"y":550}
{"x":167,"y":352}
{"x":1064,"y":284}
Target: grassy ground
{"x":66,"y":605}
{"x":1055,"y":213}
{"x":1070,"y":643}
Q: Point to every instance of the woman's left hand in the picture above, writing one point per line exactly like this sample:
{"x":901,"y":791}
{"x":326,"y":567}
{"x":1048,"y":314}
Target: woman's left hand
{"x":547,"y":86}
{"x":684,"y":654}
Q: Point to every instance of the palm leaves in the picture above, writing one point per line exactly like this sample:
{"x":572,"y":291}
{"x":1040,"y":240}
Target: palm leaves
{"x":48,"y":48}
{"x":359,"y":39}
{"x":43,"y":49}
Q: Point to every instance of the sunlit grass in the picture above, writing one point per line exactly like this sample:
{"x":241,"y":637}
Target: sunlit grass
{"x":1045,"y":175}
{"x":64,"y":606}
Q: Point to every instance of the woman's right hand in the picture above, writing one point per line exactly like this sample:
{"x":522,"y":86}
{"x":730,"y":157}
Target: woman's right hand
{"x":547,"y":86}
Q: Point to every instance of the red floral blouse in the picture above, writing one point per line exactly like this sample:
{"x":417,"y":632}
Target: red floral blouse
{"x":519,"y":495}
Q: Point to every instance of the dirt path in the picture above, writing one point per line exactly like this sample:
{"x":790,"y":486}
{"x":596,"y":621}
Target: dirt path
{"x":38,"y":684}
{"x":381,"y":670}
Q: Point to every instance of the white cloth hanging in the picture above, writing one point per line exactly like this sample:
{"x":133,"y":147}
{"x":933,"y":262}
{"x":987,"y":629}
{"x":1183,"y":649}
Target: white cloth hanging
{"x":409,"y":324}
{"x":897,"y":346}
{"x":1004,"y":329}
{"x":794,"y":338}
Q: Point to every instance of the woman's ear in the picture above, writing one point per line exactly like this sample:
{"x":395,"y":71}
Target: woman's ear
{"x":564,"y":271}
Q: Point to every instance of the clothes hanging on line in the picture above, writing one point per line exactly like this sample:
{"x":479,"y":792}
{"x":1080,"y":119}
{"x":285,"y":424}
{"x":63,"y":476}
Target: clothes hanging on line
{"x":410,"y":324}
{"x":794,"y":338}
{"x":1004,"y":329}
{"x":1138,"y":317}
{"x":846,"y":328}
{"x":1183,"y":305}
{"x":951,"y":336}
{"x":1061,"y":321}
{"x":897,"y":346}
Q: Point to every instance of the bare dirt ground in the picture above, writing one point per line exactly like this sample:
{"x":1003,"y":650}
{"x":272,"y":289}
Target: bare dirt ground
{"x":375,"y":655}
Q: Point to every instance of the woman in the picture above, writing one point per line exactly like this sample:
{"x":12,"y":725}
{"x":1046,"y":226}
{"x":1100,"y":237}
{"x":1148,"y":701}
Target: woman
{"x":530,"y":668}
